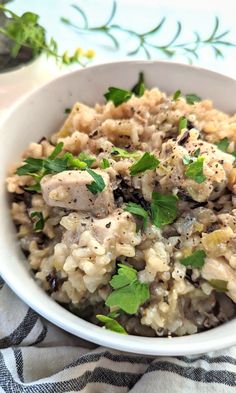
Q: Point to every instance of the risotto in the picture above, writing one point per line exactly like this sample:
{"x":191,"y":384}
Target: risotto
{"x":127,"y":214}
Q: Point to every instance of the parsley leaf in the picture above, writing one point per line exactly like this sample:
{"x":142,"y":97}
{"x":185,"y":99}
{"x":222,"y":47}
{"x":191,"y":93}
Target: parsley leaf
{"x":55,"y":166}
{"x":111,"y":324}
{"x":104,"y":164}
{"x":128,"y":292}
{"x":219,"y":285}
{"x":56,"y":151}
{"x":197,"y":152}
{"x":163,"y":209}
{"x":183,"y":122}
{"x":192,"y":98}
{"x":195,"y":260}
{"x":139,"y":87}
{"x":39,"y":224}
{"x":176,"y":95}
{"x":137,"y":210}
{"x":147,"y":161}
{"x":223,"y":144}
{"x":118,"y":152}
{"x":89,"y":160}
{"x":33,"y":165}
{"x":98,"y":184}
{"x":194,"y":171}
{"x":117,"y":96}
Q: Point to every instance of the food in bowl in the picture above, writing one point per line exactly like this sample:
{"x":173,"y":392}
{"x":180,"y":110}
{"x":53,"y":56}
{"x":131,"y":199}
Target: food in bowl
{"x":127,"y":214}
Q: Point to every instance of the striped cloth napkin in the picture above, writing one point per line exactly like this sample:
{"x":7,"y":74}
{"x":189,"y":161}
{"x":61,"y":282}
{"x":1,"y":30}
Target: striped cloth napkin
{"x":37,"y":357}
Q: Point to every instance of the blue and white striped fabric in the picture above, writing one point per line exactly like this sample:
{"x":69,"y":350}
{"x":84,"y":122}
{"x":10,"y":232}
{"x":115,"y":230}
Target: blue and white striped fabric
{"x":37,"y":357}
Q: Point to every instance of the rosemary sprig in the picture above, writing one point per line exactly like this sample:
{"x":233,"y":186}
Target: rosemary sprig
{"x":191,"y":49}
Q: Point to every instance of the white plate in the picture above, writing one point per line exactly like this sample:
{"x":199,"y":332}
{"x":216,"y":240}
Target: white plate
{"x":41,"y":113}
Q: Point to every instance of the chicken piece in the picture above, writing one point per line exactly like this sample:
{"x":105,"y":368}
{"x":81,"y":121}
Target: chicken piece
{"x":218,"y":269}
{"x":69,"y":190}
{"x":216,"y":167}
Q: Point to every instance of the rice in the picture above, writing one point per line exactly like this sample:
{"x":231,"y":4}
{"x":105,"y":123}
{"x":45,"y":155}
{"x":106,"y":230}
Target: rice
{"x":76,"y":252}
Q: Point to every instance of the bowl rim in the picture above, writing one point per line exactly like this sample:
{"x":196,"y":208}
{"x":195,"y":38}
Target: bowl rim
{"x":203,"y":341}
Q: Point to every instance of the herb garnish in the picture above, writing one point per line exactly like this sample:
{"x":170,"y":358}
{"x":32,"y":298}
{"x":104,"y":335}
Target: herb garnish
{"x":98,"y":184}
{"x":39,"y":224}
{"x":223,"y":145}
{"x":111,"y":324}
{"x":139,"y":88}
{"x":192,"y":98}
{"x":195,"y":260}
{"x":219,"y":285}
{"x":146,"y":162}
{"x":176,"y":95}
{"x":129,"y":293}
{"x":118,"y":152}
{"x":183,"y":122}
{"x":163,"y":209}
{"x":89,"y":160}
{"x":118,"y":96}
{"x":104,"y":164}
{"x":194,"y":169}
{"x":137,"y":210}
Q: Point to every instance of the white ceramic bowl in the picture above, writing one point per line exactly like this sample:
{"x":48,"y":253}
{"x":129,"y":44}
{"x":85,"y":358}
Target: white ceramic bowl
{"x":41,"y":113}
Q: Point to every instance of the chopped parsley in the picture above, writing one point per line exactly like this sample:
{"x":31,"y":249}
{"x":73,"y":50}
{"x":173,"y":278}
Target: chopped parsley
{"x":117,"y":96}
{"x":176,"y":95}
{"x":183,"y":122}
{"x":85,"y":157}
{"x":129,"y":293}
{"x":111,"y":324}
{"x":219,"y":285}
{"x":39,"y":223}
{"x":104,"y":164}
{"x":137,"y":210}
{"x":195,"y":260}
{"x":223,"y":144}
{"x":118,"y":152}
{"x":192,"y":98}
{"x":194,"y":169}
{"x":146,"y":162}
{"x":98,"y":184}
{"x":139,"y":88}
{"x":163,"y":209}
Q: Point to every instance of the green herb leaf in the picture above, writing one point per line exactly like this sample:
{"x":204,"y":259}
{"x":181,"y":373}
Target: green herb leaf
{"x":146,"y":162}
{"x":223,"y":144}
{"x":163,"y":209}
{"x":183,"y":122}
{"x":139,"y":88}
{"x":137,"y":210}
{"x":35,"y":187}
{"x":67,"y":110}
{"x":39,"y":224}
{"x":118,"y":152}
{"x":55,"y":166}
{"x":126,"y":275}
{"x":194,"y":171}
{"x":111,"y":324}
{"x":195,"y":260}
{"x":104,"y":164}
{"x":98,"y":184}
{"x":33,"y":165}
{"x":117,"y":96}
{"x":187,"y":160}
{"x":219,"y":285}
{"x":176,"y":95}
{"x":129,"y":293}
{"x":192,"y":98}
{"x":197,"y":152}
{"x":56,"y":151}
{"x":89,"y":160}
